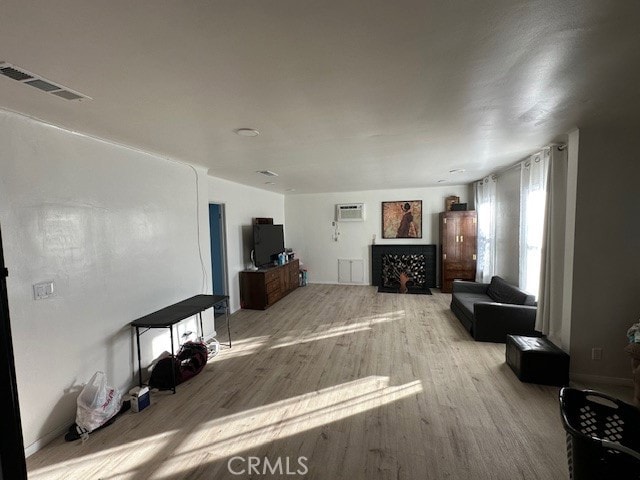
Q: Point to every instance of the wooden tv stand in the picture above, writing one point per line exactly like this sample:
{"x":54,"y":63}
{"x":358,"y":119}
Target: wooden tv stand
{"x":259,"y":289}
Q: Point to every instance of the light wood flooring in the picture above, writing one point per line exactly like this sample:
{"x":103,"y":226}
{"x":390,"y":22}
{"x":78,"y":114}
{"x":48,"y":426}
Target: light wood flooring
{"x":364,"y":385}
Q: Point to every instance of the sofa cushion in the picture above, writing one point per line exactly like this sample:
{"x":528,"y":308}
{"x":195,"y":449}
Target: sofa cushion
{"x":501,"y":292}
{"x":466,"y":301}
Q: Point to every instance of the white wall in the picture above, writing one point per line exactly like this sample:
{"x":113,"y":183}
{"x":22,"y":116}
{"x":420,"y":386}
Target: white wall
{"x":606,"y":276}
{"x":309,"y":231}
{"x":116,"y":230}
{"x":242,"y":205}
{"x":508,"y":225}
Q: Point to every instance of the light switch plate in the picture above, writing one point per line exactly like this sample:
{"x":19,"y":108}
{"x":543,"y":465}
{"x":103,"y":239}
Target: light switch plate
{"x":43,"y":290}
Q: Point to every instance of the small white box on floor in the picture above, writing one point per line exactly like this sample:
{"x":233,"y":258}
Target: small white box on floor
{"x":140,"y":398}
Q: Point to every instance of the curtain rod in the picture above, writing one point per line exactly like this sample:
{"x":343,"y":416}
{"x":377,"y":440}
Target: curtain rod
{"x":519,"y":163}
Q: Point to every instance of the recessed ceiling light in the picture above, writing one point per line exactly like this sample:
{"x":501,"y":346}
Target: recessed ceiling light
{"x":457,"y":170}
{"x":247,"y":132}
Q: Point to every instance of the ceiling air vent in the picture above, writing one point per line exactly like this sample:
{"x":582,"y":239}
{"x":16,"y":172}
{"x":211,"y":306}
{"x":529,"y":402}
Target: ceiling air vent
{"x":268,"y":173}
{"x":41,"y":83}
{"x":67,"y":95}
{"x":15,"y":74}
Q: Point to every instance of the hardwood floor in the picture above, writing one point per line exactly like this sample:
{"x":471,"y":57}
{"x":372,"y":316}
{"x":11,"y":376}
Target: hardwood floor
{"x":364,"y":385}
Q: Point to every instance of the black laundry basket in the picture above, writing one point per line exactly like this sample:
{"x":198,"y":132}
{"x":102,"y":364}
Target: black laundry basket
{"x":603,"y":436}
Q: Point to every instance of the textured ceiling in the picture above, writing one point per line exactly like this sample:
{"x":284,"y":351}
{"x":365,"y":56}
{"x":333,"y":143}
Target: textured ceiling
{"x":347,"y":95}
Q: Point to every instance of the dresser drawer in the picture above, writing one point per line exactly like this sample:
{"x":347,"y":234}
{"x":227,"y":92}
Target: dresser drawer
{"x":272,"y":285}
{"x":271,"y":275}
{"x":294,"y":278}
{"x":274,"y":296}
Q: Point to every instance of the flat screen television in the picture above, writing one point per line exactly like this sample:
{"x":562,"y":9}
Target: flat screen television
{"x":268,"y":242}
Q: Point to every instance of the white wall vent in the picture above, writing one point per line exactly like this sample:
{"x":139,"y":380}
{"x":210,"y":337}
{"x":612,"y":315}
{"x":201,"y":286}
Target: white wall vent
{"x":350,"y":212}
{"x":350,"y":271}
{"x":21,"y":75}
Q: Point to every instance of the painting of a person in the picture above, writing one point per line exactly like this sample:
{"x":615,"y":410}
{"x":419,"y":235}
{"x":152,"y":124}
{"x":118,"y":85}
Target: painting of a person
{"x":402,"y":219}
{"x":405,"y":230}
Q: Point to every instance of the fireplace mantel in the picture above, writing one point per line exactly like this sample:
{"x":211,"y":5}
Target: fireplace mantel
{"x":429,"y":252}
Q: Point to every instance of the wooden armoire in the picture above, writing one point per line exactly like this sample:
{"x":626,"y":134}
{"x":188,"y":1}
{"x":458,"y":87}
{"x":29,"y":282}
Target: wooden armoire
{"x":458,"y":247}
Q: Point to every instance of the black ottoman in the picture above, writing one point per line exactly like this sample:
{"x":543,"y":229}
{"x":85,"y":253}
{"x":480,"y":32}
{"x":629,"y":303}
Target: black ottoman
{"x":537,"y":360}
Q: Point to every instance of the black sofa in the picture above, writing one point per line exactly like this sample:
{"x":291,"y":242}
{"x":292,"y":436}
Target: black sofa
{"x":491,"y":311}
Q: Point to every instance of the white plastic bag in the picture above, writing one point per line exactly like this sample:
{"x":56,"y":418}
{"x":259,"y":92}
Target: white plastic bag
{"x":97,"y":403}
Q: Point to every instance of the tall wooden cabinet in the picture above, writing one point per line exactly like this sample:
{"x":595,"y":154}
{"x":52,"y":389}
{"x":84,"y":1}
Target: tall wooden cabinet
{"x":458,"y":247}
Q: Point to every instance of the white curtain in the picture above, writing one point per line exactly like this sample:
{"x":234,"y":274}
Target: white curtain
{"x":549,"y":315}
{"x":533,"y":196}
{"x":486,"y":211}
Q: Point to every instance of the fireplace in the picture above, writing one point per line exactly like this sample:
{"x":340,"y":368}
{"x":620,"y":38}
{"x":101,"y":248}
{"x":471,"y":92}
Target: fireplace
{"x":394,"y":265}
{"x":416,"y":262}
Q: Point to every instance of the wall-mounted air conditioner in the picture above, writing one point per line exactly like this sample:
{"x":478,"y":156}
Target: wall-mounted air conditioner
{"x":350,"y":212}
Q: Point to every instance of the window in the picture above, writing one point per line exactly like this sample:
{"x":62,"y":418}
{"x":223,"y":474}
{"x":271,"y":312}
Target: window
{"x":533,"y":197}
{"x":486,"y":208}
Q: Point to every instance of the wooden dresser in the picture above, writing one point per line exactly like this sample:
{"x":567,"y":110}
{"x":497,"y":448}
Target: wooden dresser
{"x":458,"y":247}
{"x":259,"y":289}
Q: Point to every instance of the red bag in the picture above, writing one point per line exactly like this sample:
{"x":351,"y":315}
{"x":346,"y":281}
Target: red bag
{"x":189,"y":362}
{"x":193,"y":357}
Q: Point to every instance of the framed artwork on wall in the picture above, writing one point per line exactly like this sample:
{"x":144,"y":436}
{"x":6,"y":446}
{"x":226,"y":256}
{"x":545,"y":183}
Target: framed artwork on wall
{"x":449,"y":201}
{"x":402,"y":219}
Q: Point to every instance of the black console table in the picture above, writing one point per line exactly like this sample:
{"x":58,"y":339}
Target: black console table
{"x":169,"y":316}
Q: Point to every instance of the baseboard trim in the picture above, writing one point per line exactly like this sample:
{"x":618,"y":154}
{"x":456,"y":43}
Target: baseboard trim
{"x":317,"y":282}
{"x":585,"y":378}
{"x":48,"y":438}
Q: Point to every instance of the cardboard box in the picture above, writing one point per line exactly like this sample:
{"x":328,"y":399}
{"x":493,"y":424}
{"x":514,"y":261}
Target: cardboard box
{"x":140,"y":398}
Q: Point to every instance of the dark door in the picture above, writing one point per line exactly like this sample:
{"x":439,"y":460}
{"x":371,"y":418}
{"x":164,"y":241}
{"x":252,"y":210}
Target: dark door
{"x":12,"y":462}
{"x":468,"y":238}
{"x":218,"y":258}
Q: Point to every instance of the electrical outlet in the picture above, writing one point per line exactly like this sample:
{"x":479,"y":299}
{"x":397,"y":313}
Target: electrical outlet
{"x":596,"y":353}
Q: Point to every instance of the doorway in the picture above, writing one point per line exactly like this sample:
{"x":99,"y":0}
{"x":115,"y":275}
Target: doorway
{"x":12,"y":462}
{"x":217,"y":232}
